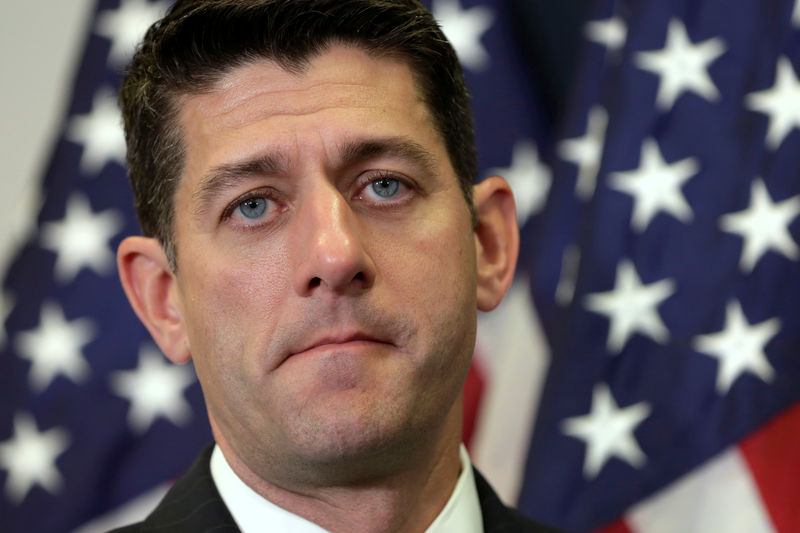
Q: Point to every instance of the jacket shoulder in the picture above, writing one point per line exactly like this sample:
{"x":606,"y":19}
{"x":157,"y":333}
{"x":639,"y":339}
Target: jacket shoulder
{"x":497,"y":518}
{"x":192,"y":505}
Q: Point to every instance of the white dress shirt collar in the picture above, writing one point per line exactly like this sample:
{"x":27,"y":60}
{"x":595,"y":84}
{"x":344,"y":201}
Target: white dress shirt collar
{"x":251,"y":512}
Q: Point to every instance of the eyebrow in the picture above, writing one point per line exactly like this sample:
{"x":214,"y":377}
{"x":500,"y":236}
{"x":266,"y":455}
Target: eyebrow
{"x":229,"y":175}
{"x":354,"y":152}
{"x":351,"y":153}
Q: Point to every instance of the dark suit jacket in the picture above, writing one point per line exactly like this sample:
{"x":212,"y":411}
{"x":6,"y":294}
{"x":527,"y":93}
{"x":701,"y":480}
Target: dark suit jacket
{"x":193,"y":505}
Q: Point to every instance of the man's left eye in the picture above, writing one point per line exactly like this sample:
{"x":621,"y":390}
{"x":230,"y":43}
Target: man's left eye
{"x":385,"y":189}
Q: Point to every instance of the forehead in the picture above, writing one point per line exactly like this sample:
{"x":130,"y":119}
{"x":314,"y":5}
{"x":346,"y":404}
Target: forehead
{"x":344,"y":92}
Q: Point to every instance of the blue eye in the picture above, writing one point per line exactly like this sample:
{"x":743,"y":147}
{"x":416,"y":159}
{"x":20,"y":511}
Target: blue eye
{"x":253,"y":208}
{"x":385,"y":187}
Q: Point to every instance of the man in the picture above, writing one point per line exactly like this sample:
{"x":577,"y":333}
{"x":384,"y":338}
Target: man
{"x":303,"y":172}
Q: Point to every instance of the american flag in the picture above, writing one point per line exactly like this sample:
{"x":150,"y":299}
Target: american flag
{"x":92,"y":416}
{"x":640,"y":376}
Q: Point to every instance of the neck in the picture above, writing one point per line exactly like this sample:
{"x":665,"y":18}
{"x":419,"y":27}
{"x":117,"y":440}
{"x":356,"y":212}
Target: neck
{"x":407,"y":500}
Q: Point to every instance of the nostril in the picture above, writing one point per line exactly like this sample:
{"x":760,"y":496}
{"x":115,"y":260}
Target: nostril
{"x":316,"y":282}
{"x":359,"y":276}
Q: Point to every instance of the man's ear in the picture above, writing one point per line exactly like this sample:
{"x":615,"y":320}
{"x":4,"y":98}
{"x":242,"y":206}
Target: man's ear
{"x":496,"y":239}
{"x":151,"y":289}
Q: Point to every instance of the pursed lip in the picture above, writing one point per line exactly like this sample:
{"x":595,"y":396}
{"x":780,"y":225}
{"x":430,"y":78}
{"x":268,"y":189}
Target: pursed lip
{"x":333,"y":340}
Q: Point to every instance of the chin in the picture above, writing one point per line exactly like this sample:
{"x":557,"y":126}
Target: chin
{"x":357,"y":441}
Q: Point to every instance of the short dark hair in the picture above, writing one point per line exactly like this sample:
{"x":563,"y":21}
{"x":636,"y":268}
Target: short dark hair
{"x":199,"y":41}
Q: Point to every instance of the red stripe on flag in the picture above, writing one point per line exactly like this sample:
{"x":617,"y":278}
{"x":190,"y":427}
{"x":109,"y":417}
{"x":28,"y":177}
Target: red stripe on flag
{"x":615,"y":527}
{"x":473,"y":389}
{"x":773,"y":453}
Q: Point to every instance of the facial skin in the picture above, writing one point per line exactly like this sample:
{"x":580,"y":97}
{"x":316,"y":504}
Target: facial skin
{"x":328,"y":272}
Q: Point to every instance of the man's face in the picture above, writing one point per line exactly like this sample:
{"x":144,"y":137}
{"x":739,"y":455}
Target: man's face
{"x":326,"y":262}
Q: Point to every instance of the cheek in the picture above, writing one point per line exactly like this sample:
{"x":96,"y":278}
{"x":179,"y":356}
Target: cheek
{"x":432,"y":275}
{"x":236,"y":279}
{"x":232,"y":307}
{"x":234,"y":312}
{"x":439,"y":261}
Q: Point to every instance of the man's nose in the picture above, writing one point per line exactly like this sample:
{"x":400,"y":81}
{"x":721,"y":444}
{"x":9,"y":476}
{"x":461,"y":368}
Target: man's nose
{"x":328,"y":240}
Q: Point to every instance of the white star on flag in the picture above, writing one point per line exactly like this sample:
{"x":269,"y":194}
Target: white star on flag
{"x":781,"y":103}
{"x":54,"y":347}
{"x":100,"y":134}
{"x":154,"y":389}
{"x":529,"y":179}
{"x":739,"y":347}
{"x":81,"y":239}
{"x":682,"y":65}
{"x":656,"y":186}
{"x":611,"y":33}
{"x":587,"y":151}
{"x":607,"y":431}
{"x":631,"y":307}
{"x":125,"y":27}
{"x":29,"y":456}
{"x":796,"y":14}
{"x":464,"y":28}
{"x":764,"y":226}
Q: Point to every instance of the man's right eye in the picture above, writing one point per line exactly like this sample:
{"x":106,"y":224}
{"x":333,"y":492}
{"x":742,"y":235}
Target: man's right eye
{"x":253,"y":208}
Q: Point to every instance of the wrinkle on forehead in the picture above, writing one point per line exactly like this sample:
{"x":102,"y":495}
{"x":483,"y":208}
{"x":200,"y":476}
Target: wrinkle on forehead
{"x":265,"y":85}
{"x":308,"y":101}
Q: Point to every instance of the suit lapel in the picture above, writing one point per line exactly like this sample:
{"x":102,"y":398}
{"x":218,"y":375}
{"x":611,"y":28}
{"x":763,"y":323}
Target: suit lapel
{"x":497,"y":518}
{"x":193,"y":504}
